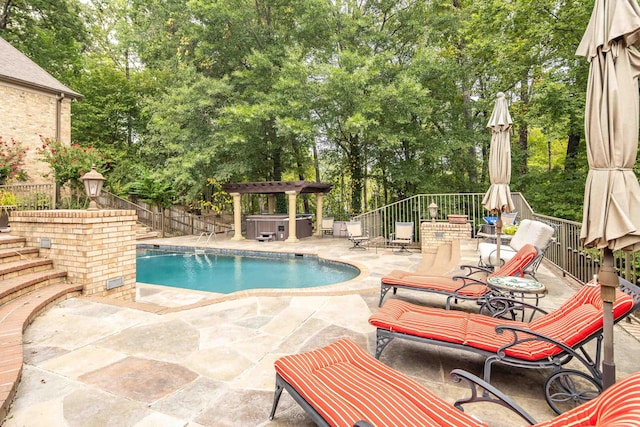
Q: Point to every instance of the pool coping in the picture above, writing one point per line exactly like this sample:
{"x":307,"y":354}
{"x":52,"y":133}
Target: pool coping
{"x":342,"y":288}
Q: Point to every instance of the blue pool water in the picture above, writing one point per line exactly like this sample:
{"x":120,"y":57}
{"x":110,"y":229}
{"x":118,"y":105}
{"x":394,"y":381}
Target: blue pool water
{"x":231,"y":273}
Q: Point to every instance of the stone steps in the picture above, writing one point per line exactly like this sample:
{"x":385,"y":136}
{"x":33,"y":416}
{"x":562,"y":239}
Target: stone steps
{"x":144,"y":232}
{"x":28,"y":285}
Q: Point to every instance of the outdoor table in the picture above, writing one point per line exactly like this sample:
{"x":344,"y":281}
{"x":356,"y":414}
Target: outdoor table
{"x":518,"y":287}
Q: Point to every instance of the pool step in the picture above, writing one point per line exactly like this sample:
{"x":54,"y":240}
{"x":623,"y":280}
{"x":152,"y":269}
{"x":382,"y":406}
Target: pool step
{"x":28,"y":285}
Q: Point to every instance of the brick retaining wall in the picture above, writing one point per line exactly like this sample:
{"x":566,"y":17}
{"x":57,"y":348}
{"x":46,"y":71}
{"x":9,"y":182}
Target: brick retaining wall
{"x":93,"y":247}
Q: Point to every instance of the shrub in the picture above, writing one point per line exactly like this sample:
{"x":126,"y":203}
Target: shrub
{"x":12,"y":155}
{"x":69,"y":162}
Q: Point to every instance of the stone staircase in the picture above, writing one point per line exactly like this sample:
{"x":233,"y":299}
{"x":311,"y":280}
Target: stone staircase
{"x":28,"y":285}
{"x":145,"y":232}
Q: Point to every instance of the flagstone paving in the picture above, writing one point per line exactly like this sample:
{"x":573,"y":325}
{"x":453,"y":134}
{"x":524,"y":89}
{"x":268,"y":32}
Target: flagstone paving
{"x":181,"y":358}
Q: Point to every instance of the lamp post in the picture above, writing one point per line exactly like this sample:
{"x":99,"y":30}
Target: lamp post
{"x":433,"y":211}
{"x":92,"y":186}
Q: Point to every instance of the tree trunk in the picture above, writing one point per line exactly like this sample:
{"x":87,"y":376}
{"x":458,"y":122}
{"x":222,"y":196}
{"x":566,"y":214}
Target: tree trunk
{"x":4,"y":17}
{"x":356,"y":172}
{"x":573,"y":144}
{"x":523,"y":133}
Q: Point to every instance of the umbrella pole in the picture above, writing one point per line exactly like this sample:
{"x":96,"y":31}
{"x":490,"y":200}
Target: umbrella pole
{"x":608,"y":283}
{"x":498,"y":238}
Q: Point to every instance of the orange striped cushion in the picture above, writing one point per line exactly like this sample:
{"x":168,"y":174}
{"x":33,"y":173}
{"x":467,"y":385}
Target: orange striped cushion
{"x":427,"y":322}
{"x":344,"y":384}
{"x":518,"y":263}
{"x":617,"y":406}
{"x":437,"y":283}
{"x":578,"y":318}
{"x":446,"y":284}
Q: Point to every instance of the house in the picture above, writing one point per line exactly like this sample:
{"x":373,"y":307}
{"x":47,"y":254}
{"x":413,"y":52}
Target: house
{"x":33,"y":103}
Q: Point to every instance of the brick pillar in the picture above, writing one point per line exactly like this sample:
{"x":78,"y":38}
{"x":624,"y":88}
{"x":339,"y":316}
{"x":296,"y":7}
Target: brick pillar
{"x":97,"y":249}
{"x":433,"y":234}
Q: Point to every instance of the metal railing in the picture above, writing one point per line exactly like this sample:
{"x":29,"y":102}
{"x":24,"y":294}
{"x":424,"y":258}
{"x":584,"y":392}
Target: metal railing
{"x":145,"y":216}
{"x":580,"y":263}
{"x":381,"y":222}
{"x":176,"y":221}
{"x":566,"y":251}
{"x":33,"y":196}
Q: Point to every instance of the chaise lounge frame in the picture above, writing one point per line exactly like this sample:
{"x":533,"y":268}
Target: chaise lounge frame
{"x":468,"y":287}
{"x":520,"y":335}
{"x":372,"y":383}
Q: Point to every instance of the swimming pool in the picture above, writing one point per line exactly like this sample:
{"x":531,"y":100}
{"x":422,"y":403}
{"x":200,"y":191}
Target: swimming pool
{"x":228,"y":273}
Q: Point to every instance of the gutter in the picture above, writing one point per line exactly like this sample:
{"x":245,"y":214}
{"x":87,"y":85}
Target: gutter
{"x":59,"y":100}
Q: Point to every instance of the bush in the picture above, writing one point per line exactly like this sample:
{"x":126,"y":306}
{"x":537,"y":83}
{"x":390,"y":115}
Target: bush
{"x":69,"y":162}
{"x":11,"y":160}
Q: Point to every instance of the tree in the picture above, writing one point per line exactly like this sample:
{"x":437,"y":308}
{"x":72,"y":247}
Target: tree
{"x":50,"y":32}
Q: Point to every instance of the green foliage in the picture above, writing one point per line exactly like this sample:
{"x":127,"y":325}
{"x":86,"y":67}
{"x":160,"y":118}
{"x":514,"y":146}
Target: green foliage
{"x":216,"y":199}
{"x":383,"y":99}
{"x":50,"y":32}
{"x":7,"y":198}
{"x":12,"y":156}
{"x":153,"y":187}
{"x":69,"y":162}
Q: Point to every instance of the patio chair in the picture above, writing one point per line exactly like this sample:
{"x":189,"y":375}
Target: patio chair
{"x":342,"y":385}
{"x":356,"y":235}
{"x":549,"y":341}
{"x":536,"y":233}
{"x":326,"y":226}
{"x":402,"y":236}
{"x":460,"y":287}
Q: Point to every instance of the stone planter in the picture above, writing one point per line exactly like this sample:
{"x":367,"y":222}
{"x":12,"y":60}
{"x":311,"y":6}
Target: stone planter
{"x":457,"y":219}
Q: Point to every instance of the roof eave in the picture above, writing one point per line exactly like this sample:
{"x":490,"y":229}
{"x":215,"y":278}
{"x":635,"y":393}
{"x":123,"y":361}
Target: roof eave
{"x":67,"y":92}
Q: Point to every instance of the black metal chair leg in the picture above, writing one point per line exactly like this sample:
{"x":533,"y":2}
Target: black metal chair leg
{"x":383,"y":291}
{"x":276,"y":396}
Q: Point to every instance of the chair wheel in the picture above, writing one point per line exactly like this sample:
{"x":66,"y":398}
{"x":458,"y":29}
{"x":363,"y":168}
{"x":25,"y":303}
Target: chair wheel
{"x":569,"y":388}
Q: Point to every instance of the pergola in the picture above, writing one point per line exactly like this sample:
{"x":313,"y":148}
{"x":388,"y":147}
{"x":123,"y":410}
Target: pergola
{"x":271,"y":188}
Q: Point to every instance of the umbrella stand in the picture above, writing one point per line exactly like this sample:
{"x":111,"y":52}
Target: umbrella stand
{"x":608,"y":283}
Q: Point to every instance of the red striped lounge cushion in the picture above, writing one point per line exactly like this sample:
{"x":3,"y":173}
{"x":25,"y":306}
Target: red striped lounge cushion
{"x":578,"y":318}
{"x":446,"y":284}
{"x":518,"y":262}
{"x":344,"y":384}
{"x":617,"y":406}
{"x":437,"y":283}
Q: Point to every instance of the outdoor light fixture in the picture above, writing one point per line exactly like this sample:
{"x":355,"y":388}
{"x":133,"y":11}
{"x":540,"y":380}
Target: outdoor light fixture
{"x":433,"y":211}
{"x":92,"y":186}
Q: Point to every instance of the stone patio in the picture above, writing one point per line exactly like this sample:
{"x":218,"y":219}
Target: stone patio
{"x":185,"y":358}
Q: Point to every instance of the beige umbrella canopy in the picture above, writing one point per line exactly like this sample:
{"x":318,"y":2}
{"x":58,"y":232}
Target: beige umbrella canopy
{"x":611,"y":218}
{"x":498,"y":197}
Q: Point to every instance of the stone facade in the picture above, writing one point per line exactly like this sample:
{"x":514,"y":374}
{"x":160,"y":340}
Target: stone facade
{"x":433,"y":234}
{"x":27,"y":114}
{"x":97,"y":249}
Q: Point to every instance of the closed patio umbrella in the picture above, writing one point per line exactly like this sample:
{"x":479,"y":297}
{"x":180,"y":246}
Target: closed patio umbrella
{"x":611,"y":218}
{"x":498,"y":197}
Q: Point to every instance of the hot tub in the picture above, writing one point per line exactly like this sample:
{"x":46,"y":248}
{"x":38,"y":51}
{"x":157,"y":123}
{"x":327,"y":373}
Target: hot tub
{"x":278,"y":224}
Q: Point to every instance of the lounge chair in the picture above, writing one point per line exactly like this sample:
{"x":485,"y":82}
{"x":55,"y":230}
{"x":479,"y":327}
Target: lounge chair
{"x":549,"y":341}
{"x":341,"y":385}
{"x":536,"y":233}
{"x":356,"y":235}
{"x":460,"y":287}
{"x":403,"y":235}
{"x":326,"y":226}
